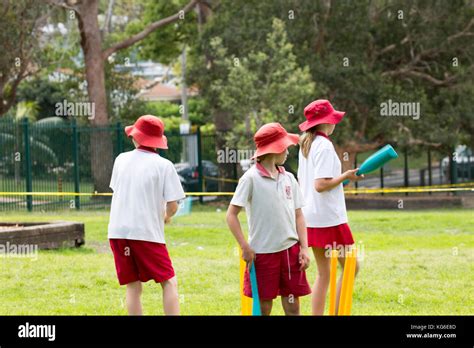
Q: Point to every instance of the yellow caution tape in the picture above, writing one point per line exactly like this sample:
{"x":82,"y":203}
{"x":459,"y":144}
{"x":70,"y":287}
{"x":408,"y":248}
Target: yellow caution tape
{"x":415,"y":189}
{"x":464,"y":184}
{"x":408,"y":190}
{"x":101,"y":194}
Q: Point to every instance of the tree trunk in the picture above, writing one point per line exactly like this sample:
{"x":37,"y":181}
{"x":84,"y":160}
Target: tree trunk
{"x":101,"y":150}
{"x":226,"y":170}
{"x":348,"y":151}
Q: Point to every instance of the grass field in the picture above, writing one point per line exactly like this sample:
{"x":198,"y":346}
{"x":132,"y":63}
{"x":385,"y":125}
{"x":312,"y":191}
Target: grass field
{"x":415,"y":263}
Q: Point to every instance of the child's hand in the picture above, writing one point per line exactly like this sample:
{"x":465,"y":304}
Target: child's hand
{"x":304,"y":258}
{"x":248,"y":254}
{"x":167,"y":219}
{"x":351,"y":175}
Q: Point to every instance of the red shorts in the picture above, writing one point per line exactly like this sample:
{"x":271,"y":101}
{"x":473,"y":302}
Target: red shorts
{"x":141,"y":260}
{"x":278,"y":274}
{"x":330,"y":237}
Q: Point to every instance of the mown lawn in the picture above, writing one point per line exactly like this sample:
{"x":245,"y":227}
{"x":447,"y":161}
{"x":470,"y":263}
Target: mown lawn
{"x":414,"y":263}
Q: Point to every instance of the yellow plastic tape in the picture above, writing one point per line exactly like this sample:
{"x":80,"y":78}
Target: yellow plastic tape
{"x":220,"y":179}
{"x":102,"y":194}
{"x":435,"y":188}
{"x":408,"y":190}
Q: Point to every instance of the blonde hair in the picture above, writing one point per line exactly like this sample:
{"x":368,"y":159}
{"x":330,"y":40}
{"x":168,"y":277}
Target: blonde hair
{"x":306,"y":139}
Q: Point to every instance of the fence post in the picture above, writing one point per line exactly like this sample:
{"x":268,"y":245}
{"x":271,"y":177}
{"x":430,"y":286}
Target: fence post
{"x":430,"y":174}
{"x":200,"y":171}
{"x":356,"y":184}
{"x":381,"y":179}
{"x":422,"y":177}
{"x":119,"y":138}
{"x":406,"y":172}
{"x":452,"y":169}
{"x":29,"y":184}
{"x":469,"y":168}
{"x":75,"y":151}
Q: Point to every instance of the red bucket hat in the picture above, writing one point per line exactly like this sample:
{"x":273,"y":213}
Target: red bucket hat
{"x":148,"y":131}
{"x":318,"y":112}
{"x":273,"y":138}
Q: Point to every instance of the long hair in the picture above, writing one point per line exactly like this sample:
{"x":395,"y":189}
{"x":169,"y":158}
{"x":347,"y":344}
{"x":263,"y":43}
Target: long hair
{"x":306,"y":139}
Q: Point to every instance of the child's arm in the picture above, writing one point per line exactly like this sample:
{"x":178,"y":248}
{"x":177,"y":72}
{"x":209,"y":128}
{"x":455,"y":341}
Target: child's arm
{"x":304,"y":258}
{"x":234,"y":225}
{"x":171,"y":209}
{"x":327,"y":184}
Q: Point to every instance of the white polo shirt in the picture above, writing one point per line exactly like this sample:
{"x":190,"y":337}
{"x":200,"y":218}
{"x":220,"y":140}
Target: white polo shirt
{"x":143,"y":182}
{"x":327,"y":208}
{"x":270,"y":205}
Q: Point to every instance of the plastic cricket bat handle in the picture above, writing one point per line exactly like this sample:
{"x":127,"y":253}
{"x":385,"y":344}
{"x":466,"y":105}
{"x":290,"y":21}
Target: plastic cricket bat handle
{"x":256,"y":310}
{"x":377,"y":160}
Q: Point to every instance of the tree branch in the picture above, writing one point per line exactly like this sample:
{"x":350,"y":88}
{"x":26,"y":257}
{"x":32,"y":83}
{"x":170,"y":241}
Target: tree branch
{"x":464,"y":32}
{"x":63,"y":3}
{"x":410,"y":72}
{"x":6,"y":103}
{"x":393,"y":46}
{"x":148,"y":30}
{"x":352,"y":146}
{"x":414,"y":141}
{"x":108,"y":18}
{"x":411,"y":69}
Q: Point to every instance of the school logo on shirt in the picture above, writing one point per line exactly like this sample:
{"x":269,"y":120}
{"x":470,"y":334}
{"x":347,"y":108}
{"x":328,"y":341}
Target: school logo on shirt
{"x":288,"y":192}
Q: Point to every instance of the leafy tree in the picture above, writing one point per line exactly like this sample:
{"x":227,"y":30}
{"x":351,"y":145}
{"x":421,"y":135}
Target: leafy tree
{"x":44,"y":93}
{"x":260,"y":87}
{"x":95,"y":58}
{"x":361,"y":54}
{"x":19,"y":32}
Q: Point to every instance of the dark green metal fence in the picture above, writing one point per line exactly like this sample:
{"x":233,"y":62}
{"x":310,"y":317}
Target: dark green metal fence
{"x":56,"y":157}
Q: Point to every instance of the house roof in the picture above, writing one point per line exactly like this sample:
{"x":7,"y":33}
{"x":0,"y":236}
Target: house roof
{"x":163,"y":92}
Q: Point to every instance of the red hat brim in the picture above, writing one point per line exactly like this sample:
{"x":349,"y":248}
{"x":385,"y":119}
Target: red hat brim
{"x":159,"y":142}
{"x":277,"y":146}
{"x":333,"y":118}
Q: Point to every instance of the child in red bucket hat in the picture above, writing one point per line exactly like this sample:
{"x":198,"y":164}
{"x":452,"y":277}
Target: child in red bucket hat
{"x":277,"y":232}
{"x":146,"y":189}
{"x":320,"y":178}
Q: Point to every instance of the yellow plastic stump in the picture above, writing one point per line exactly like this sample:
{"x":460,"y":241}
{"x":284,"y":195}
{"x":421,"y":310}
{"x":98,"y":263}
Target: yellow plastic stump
{"x":350,"y":286}
{"x":246,"y":302}
{"x":332,"y":283}
{"x":345,"y":279}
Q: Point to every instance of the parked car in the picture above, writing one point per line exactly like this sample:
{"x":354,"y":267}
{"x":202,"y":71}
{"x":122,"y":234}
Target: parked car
{"x":189,"y":176}
{"x":464,"y":164}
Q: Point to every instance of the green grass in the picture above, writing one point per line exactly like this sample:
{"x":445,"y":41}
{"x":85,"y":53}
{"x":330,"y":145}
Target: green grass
{"x":415,"y":263}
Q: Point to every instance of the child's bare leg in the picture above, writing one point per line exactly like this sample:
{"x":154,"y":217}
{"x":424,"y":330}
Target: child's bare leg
{"x":321,"y":284}
{"x":266,"y":306}
{"x":170,"y":296}
{"x":342,"y":260}
{"x":291,"y":305}
{"x":134,"y":292}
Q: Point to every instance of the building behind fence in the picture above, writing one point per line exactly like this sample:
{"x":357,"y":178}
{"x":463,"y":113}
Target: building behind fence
{"x":56,"y":157}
